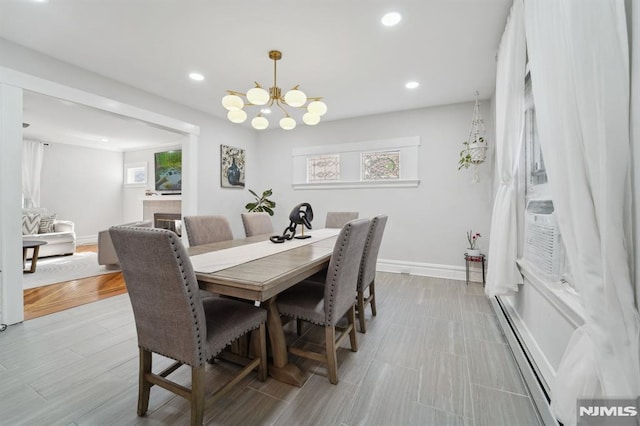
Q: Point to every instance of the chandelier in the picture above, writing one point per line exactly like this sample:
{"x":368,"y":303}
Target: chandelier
{"x":257,"y":96}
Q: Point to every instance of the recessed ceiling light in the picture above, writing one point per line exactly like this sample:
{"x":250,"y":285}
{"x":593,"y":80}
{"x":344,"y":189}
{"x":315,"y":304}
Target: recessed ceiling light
{"x":265,"y":111}
{"x":391,"y":19}
{"x":412,"y":85}
{"x":196,"y":76}
{"x":104,"y":140}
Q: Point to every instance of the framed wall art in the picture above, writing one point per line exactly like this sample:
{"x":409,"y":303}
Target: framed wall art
{"x":231,"y":167}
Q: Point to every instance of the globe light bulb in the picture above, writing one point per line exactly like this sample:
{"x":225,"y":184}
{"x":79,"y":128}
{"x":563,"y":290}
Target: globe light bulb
{"x":311,"y":119}
{"x":317,"y":107}
{"x":391,"y":19}
{"x":260,"y":123}
{"x":287,"y":123}
{"x":295,"y":98}
{"x":232,"y":102}
{"x":258,"y":96}
{"x":237,"y":116}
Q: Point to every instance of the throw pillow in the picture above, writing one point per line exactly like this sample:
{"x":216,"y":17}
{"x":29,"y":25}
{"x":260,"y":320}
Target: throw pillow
{"x":46,"y":223}
{"x":30,"y":223}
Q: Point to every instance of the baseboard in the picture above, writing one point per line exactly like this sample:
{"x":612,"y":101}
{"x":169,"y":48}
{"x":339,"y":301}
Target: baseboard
{"x":90,"y":239}
{"x":449,"y":272}
{"x":528,"y":369}
{"x":541,"y":365}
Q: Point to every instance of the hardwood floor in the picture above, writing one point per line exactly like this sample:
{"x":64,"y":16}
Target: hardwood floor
{"x":434,"y":355}
{"x":52,"y":298}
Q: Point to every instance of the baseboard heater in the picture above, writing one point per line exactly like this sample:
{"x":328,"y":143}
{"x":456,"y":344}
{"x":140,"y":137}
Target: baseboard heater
{"x":537,"y":386}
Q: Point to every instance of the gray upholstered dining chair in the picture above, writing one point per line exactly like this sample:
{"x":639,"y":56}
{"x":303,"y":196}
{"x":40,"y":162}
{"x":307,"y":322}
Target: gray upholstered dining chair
{"x":207,"y":229}
{"x":367,"y":275}
{"x":257,"y":223}
{"x":174,"y":321}
{"x":339,"y":219}
{"x":326,"y":304}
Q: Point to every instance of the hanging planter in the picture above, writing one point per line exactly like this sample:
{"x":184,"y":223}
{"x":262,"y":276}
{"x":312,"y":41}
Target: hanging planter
{"x":474,"y":150}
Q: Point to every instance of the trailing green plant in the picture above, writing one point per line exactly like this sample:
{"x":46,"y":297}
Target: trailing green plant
{"x":466,"y":160}
{"x":262,"y":203}
{"x":465,"y":157}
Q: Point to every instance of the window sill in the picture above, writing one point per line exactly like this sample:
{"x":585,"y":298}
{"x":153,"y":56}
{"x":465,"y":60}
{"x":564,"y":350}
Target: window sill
{"x":560,"y":294}
{"x":404,"y":183}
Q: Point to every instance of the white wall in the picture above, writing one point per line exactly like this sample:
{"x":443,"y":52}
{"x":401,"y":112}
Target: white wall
{"x":213,"y":131}
{"x":213,"y":198}
{"x":427,"y":224}
{"x":11,"y":294}
{"x":140,"y":103}
{"x":83,"y":185}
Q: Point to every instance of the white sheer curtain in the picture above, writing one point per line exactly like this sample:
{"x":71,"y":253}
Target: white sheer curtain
{"x":32,"y":156}
{"x":503,"y":273}
{"x":579,"y":63}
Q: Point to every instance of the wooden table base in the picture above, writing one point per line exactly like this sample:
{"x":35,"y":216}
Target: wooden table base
{"x":290,"y":374}
{"x":281,"y":369}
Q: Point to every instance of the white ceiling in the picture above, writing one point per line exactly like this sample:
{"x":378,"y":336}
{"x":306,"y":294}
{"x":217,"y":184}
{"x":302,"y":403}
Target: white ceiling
{"x":59,"y":121}
{"x":336,"y":49}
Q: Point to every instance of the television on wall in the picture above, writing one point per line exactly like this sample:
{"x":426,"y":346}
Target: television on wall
{"x":168,"y":171}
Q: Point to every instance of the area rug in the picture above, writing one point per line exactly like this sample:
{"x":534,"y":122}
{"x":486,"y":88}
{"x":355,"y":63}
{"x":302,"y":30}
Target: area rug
{"x":57,"y":269}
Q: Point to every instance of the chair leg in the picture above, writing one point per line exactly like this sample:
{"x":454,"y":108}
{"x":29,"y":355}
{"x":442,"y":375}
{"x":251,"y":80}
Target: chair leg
{"x":197,"y":395}
{"x":351,"y":317}
{"x":299,"y":326}
{"x":332,"y":358}
{"x":144,"y":387}
{"x":372,"y":296}
{"x":363,"y":326}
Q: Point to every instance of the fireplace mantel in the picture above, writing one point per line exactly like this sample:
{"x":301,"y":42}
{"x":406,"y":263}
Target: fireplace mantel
{"x":160,"y":204}
{"x":160,"y":198}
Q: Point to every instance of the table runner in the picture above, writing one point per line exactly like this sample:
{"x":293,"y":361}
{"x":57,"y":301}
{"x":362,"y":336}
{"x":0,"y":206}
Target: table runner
{"x":223,"y":259}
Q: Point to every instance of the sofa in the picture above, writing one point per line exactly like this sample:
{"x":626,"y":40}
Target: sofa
{"x":106,"y":252}
{"x":38,"y":224}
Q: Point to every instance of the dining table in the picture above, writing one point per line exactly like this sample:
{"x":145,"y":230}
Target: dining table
{"x":255,"y":269}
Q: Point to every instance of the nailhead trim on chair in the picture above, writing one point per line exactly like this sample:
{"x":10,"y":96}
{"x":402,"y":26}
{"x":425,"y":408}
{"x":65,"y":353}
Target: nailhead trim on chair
{"x":337,"y":266}
{"x":367,"y":247}
{"x":195,"y":316}
{"x":332,"y":285}
{"x":232,"y":340}
{"x":198,"y":336}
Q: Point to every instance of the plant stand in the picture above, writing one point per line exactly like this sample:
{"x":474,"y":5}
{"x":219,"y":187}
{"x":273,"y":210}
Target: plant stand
{"x":468,"y":259}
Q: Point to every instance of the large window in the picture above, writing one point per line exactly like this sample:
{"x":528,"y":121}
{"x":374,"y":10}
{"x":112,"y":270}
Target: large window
{"x":534,"y":163}
{"x":543,"y":248}
{"x":135,"y":174}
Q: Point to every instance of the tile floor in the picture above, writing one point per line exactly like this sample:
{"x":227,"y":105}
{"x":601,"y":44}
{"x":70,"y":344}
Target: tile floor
{"x":434,"y":355}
